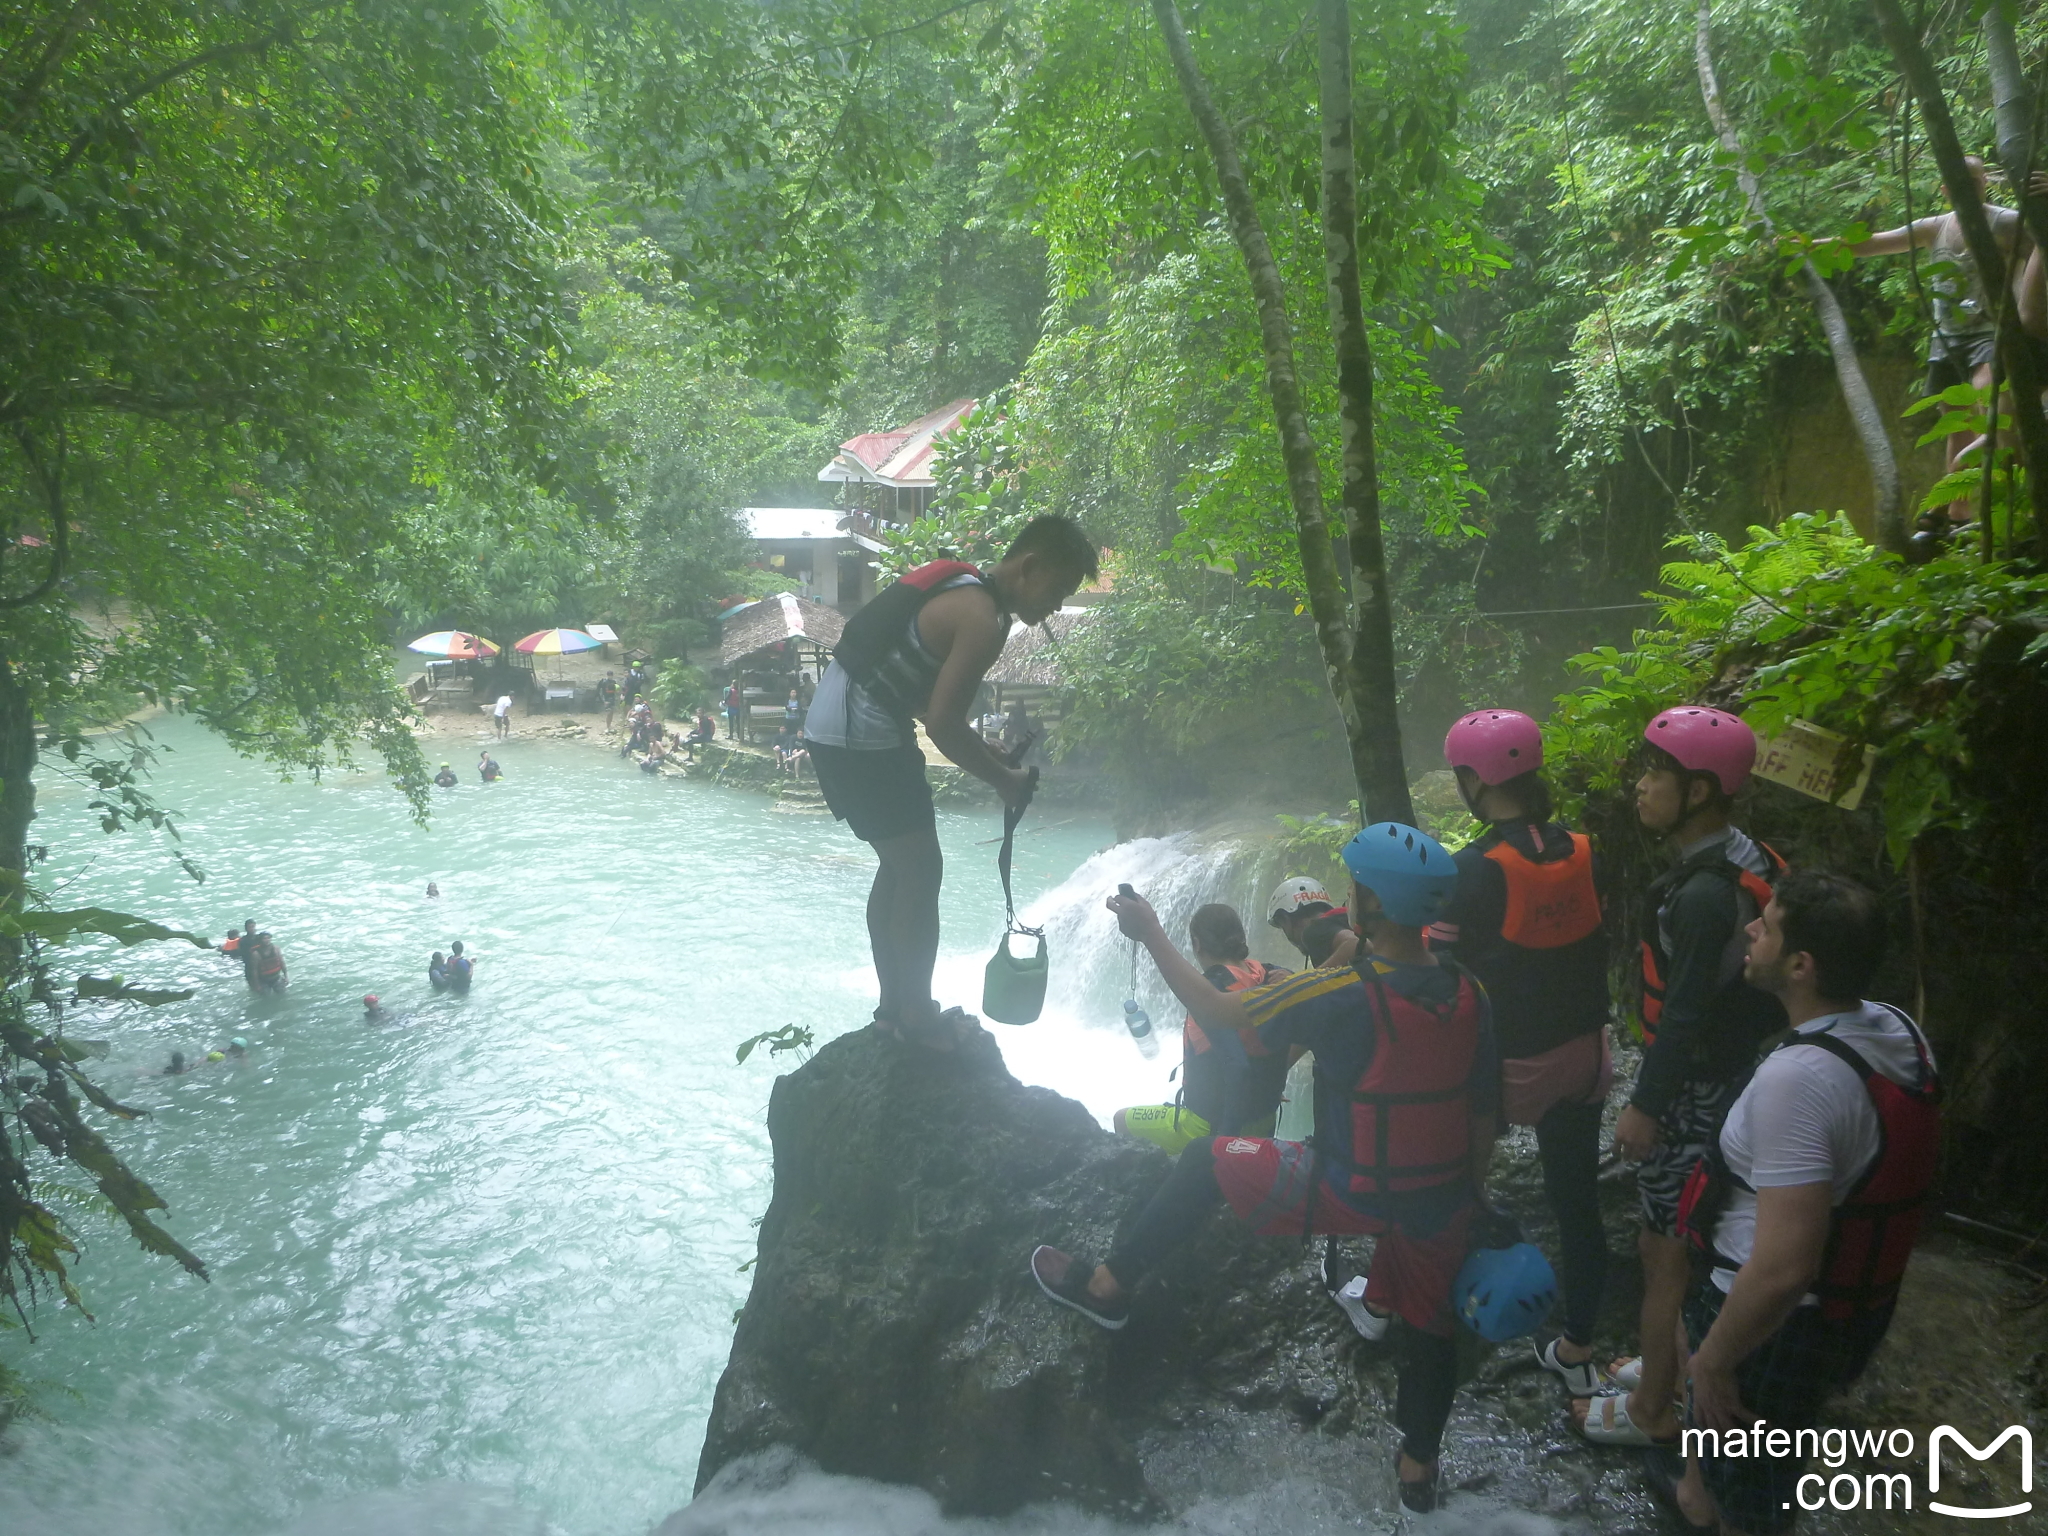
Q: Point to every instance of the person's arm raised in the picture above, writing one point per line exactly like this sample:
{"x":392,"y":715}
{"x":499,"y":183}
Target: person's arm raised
{"x":963,"y":626}
{"x":1917,"y":235}
{"x":1213,"y":1010}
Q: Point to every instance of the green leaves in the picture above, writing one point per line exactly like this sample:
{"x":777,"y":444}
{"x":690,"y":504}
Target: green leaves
{"x":55,"y":927}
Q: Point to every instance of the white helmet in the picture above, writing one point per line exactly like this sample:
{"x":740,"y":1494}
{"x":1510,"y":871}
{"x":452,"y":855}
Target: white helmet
{"x":1292,"y":894}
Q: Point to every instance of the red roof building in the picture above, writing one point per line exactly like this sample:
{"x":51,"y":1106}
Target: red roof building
{"x":888,"y":475}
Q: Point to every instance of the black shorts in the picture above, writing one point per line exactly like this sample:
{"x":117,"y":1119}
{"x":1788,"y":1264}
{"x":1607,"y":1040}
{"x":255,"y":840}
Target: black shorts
{"x":879,"y":794}
{"x":1953,"y":362}
{"x":1784,"y":1381}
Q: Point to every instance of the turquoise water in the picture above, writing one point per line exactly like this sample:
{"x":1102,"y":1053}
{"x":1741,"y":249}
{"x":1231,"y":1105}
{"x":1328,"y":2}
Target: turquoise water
{"x":476,"y":1271}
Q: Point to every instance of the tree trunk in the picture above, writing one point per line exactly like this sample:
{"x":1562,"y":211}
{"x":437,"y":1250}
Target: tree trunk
{"x":2012,"y":104}
{"x":1326,"y":596}
{"x":1984,"y":251}
{"x":1888,"y":512}
{"x":1375,"y":696}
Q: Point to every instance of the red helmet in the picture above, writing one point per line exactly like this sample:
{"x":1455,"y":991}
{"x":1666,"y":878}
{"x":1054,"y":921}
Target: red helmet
{"x":369,"y":999}
{"x":1706,"y":741}
{"x":1496,"y":744}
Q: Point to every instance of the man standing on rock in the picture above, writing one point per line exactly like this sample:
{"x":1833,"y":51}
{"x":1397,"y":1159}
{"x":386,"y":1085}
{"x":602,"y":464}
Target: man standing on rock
{"x":919,"y":652}
{"x":1406,"y":1090}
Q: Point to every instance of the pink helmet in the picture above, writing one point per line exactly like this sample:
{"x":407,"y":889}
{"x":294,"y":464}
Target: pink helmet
{"x":1707,"y":741}
{"x":1496,"y":744}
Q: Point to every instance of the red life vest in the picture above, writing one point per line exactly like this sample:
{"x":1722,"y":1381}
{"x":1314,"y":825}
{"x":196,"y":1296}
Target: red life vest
{"x":1244,"y":974}
{"x":1872,"y":1232}
{"x":1754,"y":887}
{"x":1410,"y":1112}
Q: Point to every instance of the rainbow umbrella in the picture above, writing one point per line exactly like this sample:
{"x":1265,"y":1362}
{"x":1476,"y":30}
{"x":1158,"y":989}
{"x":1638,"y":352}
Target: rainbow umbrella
{"x":453,"y":644}
{"x":557,"y":642}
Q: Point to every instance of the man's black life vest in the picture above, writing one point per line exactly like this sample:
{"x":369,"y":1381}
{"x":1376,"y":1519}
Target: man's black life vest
{"x":1753,"y":894}
{"x":1410,"y":1111}
{"x":1871,"y":1233}
{"x":1545,"y":972}
{"x":1241,"y":1083}
{"x":876,"y":650}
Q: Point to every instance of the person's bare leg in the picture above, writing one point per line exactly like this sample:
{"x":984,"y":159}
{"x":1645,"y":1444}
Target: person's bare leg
{"x":1666,"y":1270}
{"x":1694,"y":1499}
{"x":881,"y":906}
{"x":906,"y":926}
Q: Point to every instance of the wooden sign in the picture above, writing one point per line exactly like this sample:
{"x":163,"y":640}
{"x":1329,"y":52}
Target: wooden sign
{"x":1810,"y":759}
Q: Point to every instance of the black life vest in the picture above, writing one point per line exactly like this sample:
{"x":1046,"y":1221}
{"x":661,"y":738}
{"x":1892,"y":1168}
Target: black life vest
{"x":1753,"y":891}
{"x":876,"y":650}
{"x":1545,"y":972}
{"x":1242,"y":1084}
{"x":1872,"y":1232}
{"x":1410,"y":1111}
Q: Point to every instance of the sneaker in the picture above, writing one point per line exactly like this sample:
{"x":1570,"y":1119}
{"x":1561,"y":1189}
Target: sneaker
{"x":1372,"y":1326}
{"x":1064,"y":1278}
{"x":1581,"y":1380}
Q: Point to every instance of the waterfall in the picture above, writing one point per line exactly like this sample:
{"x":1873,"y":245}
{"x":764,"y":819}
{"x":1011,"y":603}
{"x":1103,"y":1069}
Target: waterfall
{"x":1079,"y":1046}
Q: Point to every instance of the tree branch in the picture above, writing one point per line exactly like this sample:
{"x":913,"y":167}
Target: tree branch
{"x":51,"y":479}
{"x":1375,"y":754}
{"x":1888,"y":518}
{"x":1283,"y":382}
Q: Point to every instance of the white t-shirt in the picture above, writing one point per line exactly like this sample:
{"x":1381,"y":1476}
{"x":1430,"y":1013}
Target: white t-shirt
{"x":1806,"y":1117}
{"x":503,"y":706}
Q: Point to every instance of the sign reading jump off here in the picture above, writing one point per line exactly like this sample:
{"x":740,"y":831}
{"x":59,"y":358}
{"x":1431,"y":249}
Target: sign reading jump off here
{"x":1807,"y":758}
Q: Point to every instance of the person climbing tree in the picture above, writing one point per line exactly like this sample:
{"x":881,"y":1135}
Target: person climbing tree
{"x":919,"y":651}
{"x":1964,"y":345}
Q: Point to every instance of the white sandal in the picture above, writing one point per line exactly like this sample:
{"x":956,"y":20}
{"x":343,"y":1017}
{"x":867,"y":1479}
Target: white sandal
{"x":1627,"y":1372}
{"x":1607,"y":1423}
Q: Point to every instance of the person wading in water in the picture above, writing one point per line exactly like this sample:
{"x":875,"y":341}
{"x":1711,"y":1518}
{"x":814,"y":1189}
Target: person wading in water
{"x":919,"y":651}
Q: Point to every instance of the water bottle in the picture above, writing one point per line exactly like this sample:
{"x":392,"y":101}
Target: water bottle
{"x":1139,"y":1023}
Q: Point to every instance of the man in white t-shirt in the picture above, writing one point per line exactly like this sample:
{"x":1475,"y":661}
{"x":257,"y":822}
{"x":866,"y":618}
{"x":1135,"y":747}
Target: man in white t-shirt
{"x":1831,"y":1146}
{"x":501,"y":713}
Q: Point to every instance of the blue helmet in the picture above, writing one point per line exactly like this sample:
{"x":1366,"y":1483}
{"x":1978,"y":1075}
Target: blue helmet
{"x":1409,"y":871}
{"x":1504,"y":1293}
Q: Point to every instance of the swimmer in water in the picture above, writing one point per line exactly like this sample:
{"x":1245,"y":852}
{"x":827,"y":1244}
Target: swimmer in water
{"x":460,"y":969}
{"x":437,"y":972}
{"x":446,"y":777}
{"x":373,"y":1011}
{"x":488,"y":770}
{"x":433,"y":891}
{"x":177,"y":1068}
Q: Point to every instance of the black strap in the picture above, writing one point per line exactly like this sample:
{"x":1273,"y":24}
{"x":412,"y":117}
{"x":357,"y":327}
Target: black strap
{"x":1013,"y":814}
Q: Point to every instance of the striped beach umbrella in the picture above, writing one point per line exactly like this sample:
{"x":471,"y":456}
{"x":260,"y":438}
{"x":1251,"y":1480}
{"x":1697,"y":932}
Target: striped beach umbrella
{"x":557,"y":642}
{"x":453,"y":644}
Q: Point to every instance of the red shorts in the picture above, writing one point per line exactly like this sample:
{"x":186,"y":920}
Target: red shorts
{"x":1267,"y":1184}
{"x":1578,"y":1072}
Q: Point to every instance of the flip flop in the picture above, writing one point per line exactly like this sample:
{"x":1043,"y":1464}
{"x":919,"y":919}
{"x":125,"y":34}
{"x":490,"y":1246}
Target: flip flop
{"x":1607,"y":1423}
{"x":1663,"y":1468}
{"x":1424,"y":1494}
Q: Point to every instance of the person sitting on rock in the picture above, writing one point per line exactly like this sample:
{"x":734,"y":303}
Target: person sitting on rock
{"x":1407,"y":1085}
{"x":1230,"y":1085}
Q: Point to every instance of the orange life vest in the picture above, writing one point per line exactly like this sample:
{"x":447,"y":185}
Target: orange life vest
{"x":1244,"y":975}
{"x":1549,"y":905}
